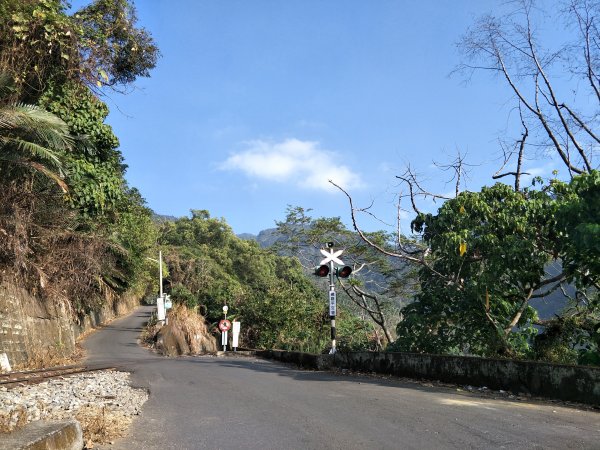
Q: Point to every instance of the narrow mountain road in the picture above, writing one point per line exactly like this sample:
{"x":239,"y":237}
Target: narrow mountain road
{"x":237,"y":402}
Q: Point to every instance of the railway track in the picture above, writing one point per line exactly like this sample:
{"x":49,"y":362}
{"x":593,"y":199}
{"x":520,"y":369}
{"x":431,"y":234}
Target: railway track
{"x":25,"y":377}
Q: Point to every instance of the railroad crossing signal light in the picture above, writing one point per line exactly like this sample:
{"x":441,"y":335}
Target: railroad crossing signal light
{"x":322,"y":270}
{"x":343,"y":272}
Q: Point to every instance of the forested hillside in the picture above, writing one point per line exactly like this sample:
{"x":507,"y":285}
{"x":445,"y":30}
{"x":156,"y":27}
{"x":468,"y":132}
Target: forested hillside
{"x":271,"y":295}
{"x":466,"y":281}
{"x":71,"y":229}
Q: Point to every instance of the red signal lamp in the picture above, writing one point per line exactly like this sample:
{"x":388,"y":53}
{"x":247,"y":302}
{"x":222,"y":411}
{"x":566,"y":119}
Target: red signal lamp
{"x":343,"y":272}
{"x":322,"y":271}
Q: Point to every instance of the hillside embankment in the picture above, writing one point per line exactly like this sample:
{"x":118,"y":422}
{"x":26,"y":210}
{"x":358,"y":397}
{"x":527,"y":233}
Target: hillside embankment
{"x":34,"y":332}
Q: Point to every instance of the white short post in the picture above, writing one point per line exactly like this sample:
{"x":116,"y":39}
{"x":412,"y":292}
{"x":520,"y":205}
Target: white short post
{"x":236,"y":335}
{"x":160,"y":310}
{"x":4,"y":363}
{"x":224,"y":340}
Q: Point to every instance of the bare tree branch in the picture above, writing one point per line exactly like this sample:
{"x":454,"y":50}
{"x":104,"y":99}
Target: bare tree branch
{"x":517,"y":174}
{"x":421,"y":261}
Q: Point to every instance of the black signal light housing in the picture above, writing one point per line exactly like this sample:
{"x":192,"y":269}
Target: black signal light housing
{"x":322,"y":270}
{"x":343,"y":272}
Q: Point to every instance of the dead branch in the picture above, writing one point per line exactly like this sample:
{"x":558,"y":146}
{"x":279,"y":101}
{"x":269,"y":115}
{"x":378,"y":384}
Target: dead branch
{"x":376,"y":314}
{"x":458,"y":168}
{"x":421,"y":261}
{"x":517,"y":174}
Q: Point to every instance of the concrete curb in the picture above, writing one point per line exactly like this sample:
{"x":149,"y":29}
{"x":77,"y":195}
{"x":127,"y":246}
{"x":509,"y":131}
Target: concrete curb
{"x":558,"y":381}
{"x":40,"y":435}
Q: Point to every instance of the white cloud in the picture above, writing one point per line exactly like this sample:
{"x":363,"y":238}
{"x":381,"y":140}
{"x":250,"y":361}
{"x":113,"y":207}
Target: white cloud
{"x":301,"y":163}
{"x":544,"y":171}
{"x":538,"y":171}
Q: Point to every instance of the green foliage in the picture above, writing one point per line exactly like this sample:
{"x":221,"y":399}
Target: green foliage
{"x":85,"y":115}
{"x":54,"y":58}
{"x":99,"y":45}
{"x":279,"y":307}
{"x":578,"y":228}
{"x":102,"y":235}
{"x":96,"y":188}
{"x":282,"y":316}
{"x":556,"y":344}
{"x":36,"y":43}
{"x":589,"y":346}
{"x":354,"y":334}
{"x":377,"y":286}
{"x":488,"y":254}
{"x":32,"y":140}
{"x":117,"y":51}
{"x":95,"y":170}
{"x":488,"y":251}
{"x":134,"y":231}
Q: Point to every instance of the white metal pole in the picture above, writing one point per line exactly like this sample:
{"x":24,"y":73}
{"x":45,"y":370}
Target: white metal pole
{"x":224,"y":333}
{"x":160,"y":281}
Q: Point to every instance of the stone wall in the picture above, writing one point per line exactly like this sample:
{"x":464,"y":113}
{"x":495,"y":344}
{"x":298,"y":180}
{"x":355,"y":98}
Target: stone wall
{"x":31,"y":329}
{"x":564,"y":382}
{"x":109,"y":311}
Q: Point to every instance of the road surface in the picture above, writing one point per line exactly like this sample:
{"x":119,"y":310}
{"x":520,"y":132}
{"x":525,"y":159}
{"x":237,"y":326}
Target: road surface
{"x":239,"y":402}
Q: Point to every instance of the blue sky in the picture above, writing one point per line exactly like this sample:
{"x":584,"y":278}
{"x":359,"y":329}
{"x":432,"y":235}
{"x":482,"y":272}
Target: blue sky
{"x":254,"y":105}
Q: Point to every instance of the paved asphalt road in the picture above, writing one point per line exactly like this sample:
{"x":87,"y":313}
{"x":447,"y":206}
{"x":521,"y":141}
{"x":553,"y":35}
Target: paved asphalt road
{"x":248,"y":403}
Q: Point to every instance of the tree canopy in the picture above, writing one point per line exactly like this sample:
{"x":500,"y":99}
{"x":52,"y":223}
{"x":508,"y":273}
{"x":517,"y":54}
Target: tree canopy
{"x":277,"y":304}
{"x":54,"y":65}
{"x":484,"y":256}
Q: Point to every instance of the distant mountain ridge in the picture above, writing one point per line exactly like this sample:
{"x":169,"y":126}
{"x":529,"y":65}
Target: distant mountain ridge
{"x":161,"y":218}
{"x":265,"y":238}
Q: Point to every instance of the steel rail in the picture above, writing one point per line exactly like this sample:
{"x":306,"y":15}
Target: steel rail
{"x":40,"y":375}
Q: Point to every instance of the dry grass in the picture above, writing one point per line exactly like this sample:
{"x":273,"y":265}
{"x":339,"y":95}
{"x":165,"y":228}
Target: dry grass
{"x":99,"y":425}
{"x":148,"y":334}
{"x":50,"y":357}
{"x":191,"y":325}
{"x":102,"y":426}
{"x":41,"y":252}
{"x":13,"y":420}
{"x":194,"y":329}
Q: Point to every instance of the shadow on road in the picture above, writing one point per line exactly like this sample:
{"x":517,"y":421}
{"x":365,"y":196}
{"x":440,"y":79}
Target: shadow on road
{"x":291,"y":371}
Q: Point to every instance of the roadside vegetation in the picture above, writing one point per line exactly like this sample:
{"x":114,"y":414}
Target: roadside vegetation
{"x":484,"y":257}
{"x":72,"y":231}
{"x":271,"y":295}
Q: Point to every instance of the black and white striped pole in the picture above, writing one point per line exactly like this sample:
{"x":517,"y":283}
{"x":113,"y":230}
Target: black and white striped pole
{"x":327,"y":267}
{"x":332,"y":305}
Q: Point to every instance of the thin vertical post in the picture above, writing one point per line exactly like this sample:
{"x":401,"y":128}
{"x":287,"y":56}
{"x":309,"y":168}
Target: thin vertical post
{"x":160,"y":277}
{"x":224,"y":339}
{"x":332,"y":316}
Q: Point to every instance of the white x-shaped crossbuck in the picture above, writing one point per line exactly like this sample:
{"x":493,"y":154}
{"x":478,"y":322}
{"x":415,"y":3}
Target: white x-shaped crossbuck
{"x":331,"y":256}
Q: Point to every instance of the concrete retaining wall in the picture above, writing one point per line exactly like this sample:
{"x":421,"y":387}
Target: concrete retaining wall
{"x":564,"y":382}
{"x":31,"y":329}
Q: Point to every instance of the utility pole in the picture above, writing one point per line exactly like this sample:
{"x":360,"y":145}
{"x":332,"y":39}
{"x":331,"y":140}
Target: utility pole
{"x":160,"y":277}
{"x":161,"y":311}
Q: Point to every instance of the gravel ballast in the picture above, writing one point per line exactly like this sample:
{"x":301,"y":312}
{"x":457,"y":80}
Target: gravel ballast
{"x":103,"y":402}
